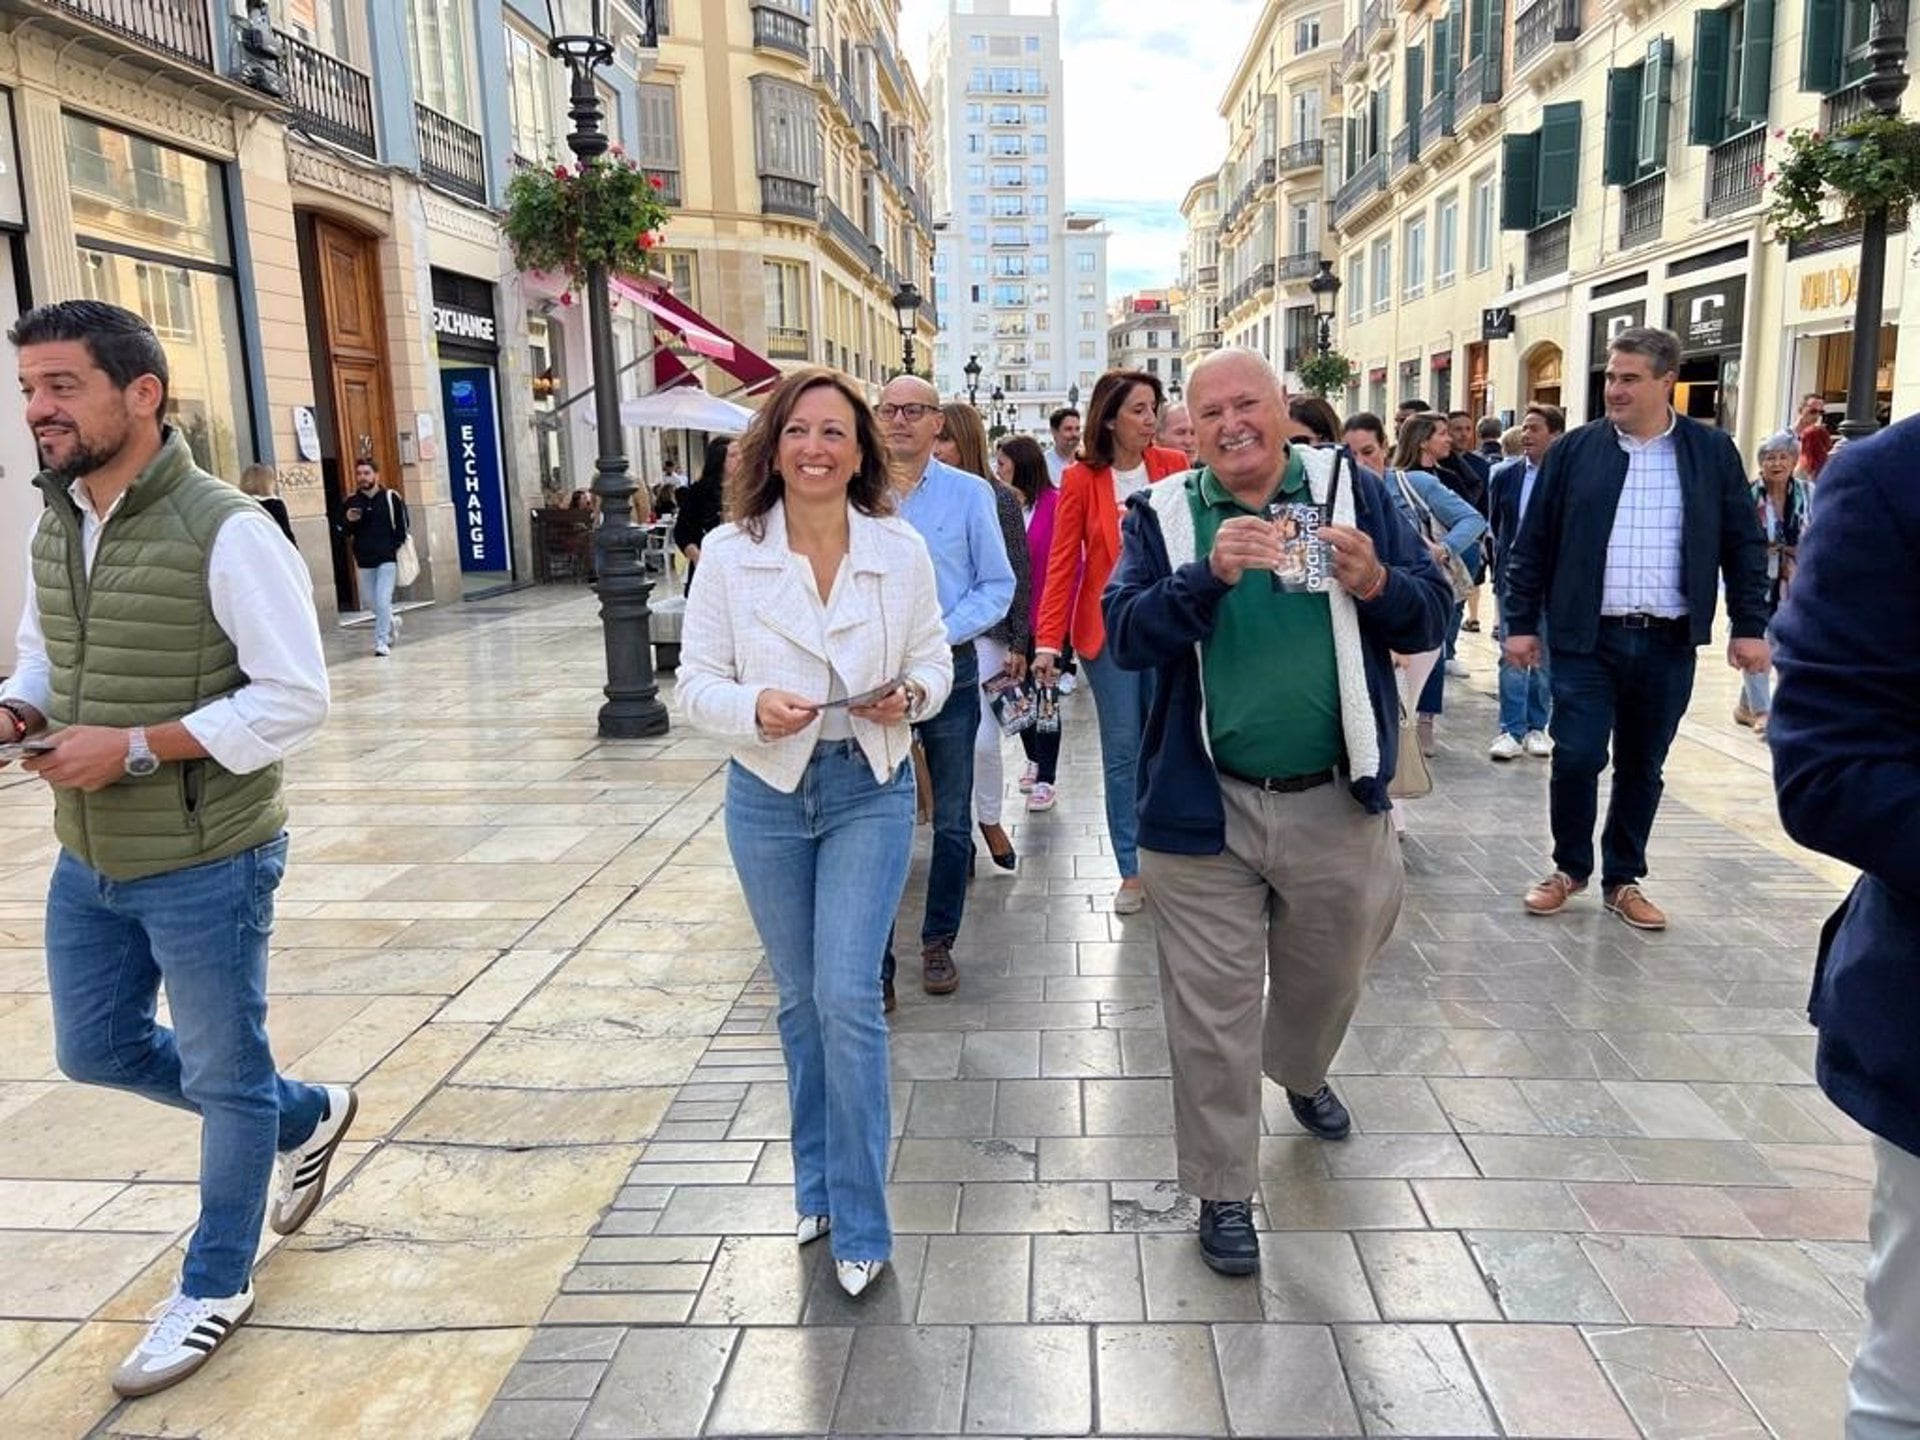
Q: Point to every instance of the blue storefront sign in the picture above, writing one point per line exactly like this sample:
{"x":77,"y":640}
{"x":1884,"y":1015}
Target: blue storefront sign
{"x":473,"y":448}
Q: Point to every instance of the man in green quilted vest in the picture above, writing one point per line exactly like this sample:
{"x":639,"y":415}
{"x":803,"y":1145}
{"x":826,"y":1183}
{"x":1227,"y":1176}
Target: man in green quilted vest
{"x":169,"y":660}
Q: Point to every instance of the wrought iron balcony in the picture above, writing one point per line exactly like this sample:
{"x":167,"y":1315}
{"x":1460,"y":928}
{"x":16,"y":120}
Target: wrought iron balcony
{"x":1205,"y":275}
{"x":841,"y":227}
{"x":793,"y":198}
{"x":1643,"y":209}
{"x":1303,"y":155}
{"x":180,"y":28}
{"x":1206,"y":340}
{"x":1845,"y":106}
{"x":1549,"y":247}
{"x":1735,"y":171}
{"x":1541,"y":26}
{"x":1376,"y":23}
{"x":777,"y":28}
{"x":1404,"y":149}
{"x":1436,"y":121}
{"x":1352,"y":50}
{"x":1368,"y":182}
{"x":451,"y":156}
{"x":889,"y":62}
{"x":1301,"y":266}
{"x":1479,"y":85}
{"x":669,"y":187}
{"x":332,"y":100}
{"x":786,"y":343}
{"x":824,"y":70}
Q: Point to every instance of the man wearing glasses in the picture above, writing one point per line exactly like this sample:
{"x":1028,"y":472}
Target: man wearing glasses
{"x":954,"y":513}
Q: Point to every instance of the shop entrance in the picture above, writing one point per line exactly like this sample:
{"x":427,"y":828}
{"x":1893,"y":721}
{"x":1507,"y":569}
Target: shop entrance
{"x":1544,"y":369}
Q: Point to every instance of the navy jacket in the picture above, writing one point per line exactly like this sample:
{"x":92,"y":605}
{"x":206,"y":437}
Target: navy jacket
{"x":1558,"y":560}
{"x":1157,"y":616}
{"x":1503,"y":511}
{"x":1846,"y":762}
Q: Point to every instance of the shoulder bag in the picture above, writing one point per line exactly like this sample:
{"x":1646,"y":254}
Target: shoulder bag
{"x":1434,"y":533}
{"x":1412,"y":776}
{"x":406,"y":559}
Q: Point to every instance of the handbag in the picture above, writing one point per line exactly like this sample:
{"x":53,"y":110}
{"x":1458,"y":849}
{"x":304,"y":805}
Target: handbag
{"x":406,"y":560}
{"x":1412,"y":776}
{"x":1457,"y":570}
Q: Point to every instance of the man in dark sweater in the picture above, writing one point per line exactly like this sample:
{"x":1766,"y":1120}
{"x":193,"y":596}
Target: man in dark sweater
{"x":376,"y":524}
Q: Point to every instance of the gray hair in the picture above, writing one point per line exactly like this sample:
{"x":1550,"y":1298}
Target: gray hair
{"x":1781,"y":441}
{"x":1660,"y":347}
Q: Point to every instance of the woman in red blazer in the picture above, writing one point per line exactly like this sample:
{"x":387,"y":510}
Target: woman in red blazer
{"x":1117,"y":457}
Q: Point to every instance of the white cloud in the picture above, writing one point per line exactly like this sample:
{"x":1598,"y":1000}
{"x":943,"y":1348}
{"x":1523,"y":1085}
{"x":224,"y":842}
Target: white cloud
{"x":1142,"y":110}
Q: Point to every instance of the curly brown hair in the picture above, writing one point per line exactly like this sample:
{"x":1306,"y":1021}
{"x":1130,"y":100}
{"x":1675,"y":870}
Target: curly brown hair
{"x":756,"y":487}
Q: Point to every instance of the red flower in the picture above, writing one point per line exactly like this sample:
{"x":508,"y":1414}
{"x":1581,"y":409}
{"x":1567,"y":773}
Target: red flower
{"x":656,"y":182}
{"x":566,"y":297}
{"x":647,"y":242}
{"x":559,"y":172}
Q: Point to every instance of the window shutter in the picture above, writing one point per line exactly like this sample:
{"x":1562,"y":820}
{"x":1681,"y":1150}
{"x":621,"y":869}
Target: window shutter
{"x":1707,"y":107}
{"x":1756,"y":63}
{"x":1559,"y":183}
{"x":1822,"y":43}
{"x":1416,"y":81}
{"x":1519,"y":172}
{"x":1656,"y":99}
{"x":1621,"y":162}
{"x":659,"y":128}
{"x":1445,"y":61}
{"x":1496,"y":18}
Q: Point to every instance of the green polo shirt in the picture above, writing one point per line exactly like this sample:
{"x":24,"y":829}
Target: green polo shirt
{"x":1272,"y":685}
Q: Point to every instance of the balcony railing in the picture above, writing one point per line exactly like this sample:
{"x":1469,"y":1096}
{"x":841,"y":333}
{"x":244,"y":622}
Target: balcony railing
{"x":824,"y":70}
{"x":1735,"y":170}
{"x":1541,"y":26}
{"x":1643,"y":209}
{"x":1376,"y":23}
{"x":890,"y":63}
{"x":1352,"y":50}
{"x":1206,"y":275}
{"x":1303,"y":265}
{"x":1436,"y":121}
{"x":1368,"y":181}
{"x":668,"y":189}
{"x":1404,"y":149}
{"x":841,"y":227}
{"x":1844,"y":106}
{"x":182,"y":28}
{"x":1206,"y":340}
{"x":1479,"y":84}
{"x":332,"y":100}
{"x":793,"y":198}
{"x":1303,"y":155}
{"x":1548,"y":248}
{"x":777,"y":28}
{"x":451,"y":156}
{"x":786,"y":343}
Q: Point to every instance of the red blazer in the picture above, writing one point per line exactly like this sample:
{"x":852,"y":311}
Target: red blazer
{"x":1086,"y":528}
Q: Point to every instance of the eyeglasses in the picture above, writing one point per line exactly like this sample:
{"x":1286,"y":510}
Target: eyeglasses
{"x":914,"y":412}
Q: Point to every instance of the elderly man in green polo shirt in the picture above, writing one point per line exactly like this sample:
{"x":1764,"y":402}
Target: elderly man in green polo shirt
{"x":1268,"y":590}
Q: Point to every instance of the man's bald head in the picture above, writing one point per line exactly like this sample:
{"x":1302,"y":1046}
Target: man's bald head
{"x":909,"y":413}
{"x":1239,"y":417}
{"x":1235,"y":363}
{"x":906,"y":389}
{"x":1176,"y":429}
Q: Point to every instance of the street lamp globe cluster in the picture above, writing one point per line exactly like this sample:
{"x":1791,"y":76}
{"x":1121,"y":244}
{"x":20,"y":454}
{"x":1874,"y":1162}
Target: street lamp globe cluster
{"x":1325,"y":288}
{"x":580,"y":41}
{"x":906,"y":311}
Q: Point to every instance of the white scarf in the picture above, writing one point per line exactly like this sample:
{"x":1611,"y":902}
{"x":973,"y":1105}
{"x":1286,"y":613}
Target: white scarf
{"x":1171,"y":505}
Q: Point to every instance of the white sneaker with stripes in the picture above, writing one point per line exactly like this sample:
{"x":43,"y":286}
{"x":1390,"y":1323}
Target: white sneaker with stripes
{"x":300,"y":1174}
{"x":184,"y":1334}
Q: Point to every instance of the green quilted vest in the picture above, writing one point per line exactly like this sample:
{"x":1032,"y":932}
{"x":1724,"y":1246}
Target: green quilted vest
{"x":135,"y":643}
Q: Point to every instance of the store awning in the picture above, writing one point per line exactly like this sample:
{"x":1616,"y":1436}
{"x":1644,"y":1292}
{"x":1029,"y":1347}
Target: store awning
{"x":754,"y":371}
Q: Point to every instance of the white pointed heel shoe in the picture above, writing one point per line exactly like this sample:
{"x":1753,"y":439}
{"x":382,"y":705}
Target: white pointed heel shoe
{"x":811,"y":1228}
{"x":856,"y":1275}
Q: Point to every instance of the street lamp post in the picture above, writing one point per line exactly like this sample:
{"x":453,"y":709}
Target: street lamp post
{"x":1073,"y":396}
{"x":906,"y":306}
{"x":972,"y":371}
{"x":996,"y":397}
{"x":1325,"y":288}
{"x":633,"y":709}
{"x":1885,"y":82}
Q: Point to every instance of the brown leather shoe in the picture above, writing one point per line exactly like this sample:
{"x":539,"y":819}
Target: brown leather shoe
{"x":938,"y":974}
{"x":1632,"y":906}
{"x":1550,"y":896}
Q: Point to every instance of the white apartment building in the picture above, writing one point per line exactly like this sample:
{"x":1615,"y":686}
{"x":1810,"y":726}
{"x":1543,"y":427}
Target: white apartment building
{"x":1020,"y":280}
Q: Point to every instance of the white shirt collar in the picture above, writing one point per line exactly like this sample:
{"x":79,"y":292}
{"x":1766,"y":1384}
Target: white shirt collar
{"x":1630,"y":444}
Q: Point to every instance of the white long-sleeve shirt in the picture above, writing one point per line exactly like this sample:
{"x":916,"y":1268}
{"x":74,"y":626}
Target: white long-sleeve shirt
{"x":262,"y":599}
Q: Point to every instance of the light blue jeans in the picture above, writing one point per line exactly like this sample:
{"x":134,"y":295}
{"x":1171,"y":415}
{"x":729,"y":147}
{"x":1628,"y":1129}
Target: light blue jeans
{"x":1757,"y":690}
{"x":823,"y":869}
{"x":376,"y":588}
{"x":1526,"y":696}
{"x":203,"y":931}
{"x":1121,"y":697}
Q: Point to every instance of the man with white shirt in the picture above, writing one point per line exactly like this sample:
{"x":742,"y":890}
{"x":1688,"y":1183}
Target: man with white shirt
{"x":1634,"y":519}
{"x":1065,"y":424}
{"x":169,"y":660}
{"x":1525,"y":696}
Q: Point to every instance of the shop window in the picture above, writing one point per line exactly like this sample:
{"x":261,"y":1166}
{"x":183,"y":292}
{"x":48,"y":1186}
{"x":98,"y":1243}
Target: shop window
{"x":1638,"y":98}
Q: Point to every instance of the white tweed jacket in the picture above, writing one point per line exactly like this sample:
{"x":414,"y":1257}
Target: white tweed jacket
{"x":754,"y":622}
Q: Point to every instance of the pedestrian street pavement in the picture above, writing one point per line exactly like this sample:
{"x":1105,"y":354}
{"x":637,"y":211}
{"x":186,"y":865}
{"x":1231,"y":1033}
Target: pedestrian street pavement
{"x":1592,"y":1189}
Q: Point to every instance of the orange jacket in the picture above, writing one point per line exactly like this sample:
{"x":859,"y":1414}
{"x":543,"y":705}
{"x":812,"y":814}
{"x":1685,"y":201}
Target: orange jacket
{"x":1086,"y":528}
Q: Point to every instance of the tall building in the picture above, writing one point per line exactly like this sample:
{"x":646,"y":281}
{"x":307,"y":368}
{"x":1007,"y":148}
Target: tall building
{"x":1145,"y":335}
{"x":1021,"y":280}
{"x":1200,"y":269}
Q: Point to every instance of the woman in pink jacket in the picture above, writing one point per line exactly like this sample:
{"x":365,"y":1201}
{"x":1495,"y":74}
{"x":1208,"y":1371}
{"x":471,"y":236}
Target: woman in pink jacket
{"x":1020,"y":463}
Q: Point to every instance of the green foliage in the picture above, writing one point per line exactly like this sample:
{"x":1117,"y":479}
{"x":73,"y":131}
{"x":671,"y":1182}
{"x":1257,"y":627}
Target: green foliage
{"x":1326,"y":374}
{"x":565,"y":217}
{"x":1868,"y":163}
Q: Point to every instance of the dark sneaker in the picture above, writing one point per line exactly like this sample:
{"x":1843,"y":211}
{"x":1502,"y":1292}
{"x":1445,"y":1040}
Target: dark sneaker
{"x":300,"y":1175}
{"x":184,"y":1334}
{"x":887,"y":1000}
{"x":1322,"y":1113}
{"x":938,"y":974}
{"x":1227,"y":1240}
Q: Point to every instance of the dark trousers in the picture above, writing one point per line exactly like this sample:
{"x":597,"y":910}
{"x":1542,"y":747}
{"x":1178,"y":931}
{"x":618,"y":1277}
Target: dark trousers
{"x":1042,"y":751}
{"x":1631,"y":689}
{"x":947,"y":740}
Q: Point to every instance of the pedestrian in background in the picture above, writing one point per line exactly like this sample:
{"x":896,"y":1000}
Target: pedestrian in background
{"x":376,"y":525}
{"x":263,"y":484}
{"x":1815,"y":440}
{"x":701,"y":504}
{"x":1526,"y":696}
{"x":1471,"y":461}
{"x":1492,"y":441}
{"x":819,"y":808}
{"x":1317,"y":422}
{"x":1019,"y":463}
{"x":1783,"y":503}
{"x":1118,"y":459}
{"x":1176,"y":431}
{"x":1423,"y":444}
{"x":1064,"y":425}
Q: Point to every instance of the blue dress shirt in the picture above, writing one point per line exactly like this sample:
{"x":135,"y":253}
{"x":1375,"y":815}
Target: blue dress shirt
{"x":954,"y":513}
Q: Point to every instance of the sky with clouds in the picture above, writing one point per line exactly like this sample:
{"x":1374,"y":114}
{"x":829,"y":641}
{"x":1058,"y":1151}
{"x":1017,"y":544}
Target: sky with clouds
{"x":1144,"y":82}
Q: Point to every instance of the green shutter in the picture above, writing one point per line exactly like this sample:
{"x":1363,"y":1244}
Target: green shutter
{"x":1445,"y":62}
{"x":1476,"y":34}
{"x":1620,"y":163}
{"x":1519,"y":180}
{"x":1756,"y":63}
{"x":1416,"y":81}
{"x":1559,"y":185}
{"x":1822,"y":45}
{"x":1707,"y":106}
{"x":1496,"y":17}
{"x":1656,"y":99}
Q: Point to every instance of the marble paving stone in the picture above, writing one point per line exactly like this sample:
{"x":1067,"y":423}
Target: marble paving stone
{"x":1313,"y":1276}
{"x":963,"y":1160}
{"x":1673,"y":1386}
{"x":1821,"y":1167}
{"x":729,"y":1210}
{"x":1307,"y":1204}
{"x":553,"y":1062}
{"x":951,"y":1108}
{"x":1806,"y":1214}
{"x":1144,"y":1157}
{"x":1775,"y":1285}
{"x":1000,"y":1055}
{"x":68,"y":1275}
{"x":1030,"y":1380}
{"x":1543,"y":1382}
{"x":1498,"y":1205}
{"x":395,"y":1285}
{"x":659,"y":1383}
{"x":1386,"y":1104}
{"x":1080,"y":1055}
{"x":573,"y":1344}
{"x":52,"y":1204}
{"x":905,"y":1380}
{"x":1660,"y":1210}
{"x":521,"y":1119}
{"x":1424,"y":1275}
{"x":595,"y":1277}
{"x":1180,"y":1286}
{"x":757,"y":1280}
{"x":82,"y":1132}
{"x":1128,"y":1107}
{"x":619,"y":1308}
{"x":24,"y":1343}
{"x":1578,"y":1107}
{"x":444,"y":1193}
{"x":60,"y":1398}
{"x":1086,"y":1279}
{"x":1542,"y":1277}
{"x":892,"y":1299}
{"x":1412,"y":1380}
{"x":414,"y":1069}
{"x":1283,"y":1380}
{"x":974,"y":1280}
{"x":1669,"y":1111}
{"x":1796,"y":1383}
{"x":782,"y":1382}
{"x":561,"y":1380}
{"x":1157,"y":1380}
{"x":1062,"y":1207}
{"x":531,"y":1420}
{"x":1546,"y":1157}
{"x":1659,"y":1280}
{"x":1694,"y":1162}
{"x":1399,"y":1157}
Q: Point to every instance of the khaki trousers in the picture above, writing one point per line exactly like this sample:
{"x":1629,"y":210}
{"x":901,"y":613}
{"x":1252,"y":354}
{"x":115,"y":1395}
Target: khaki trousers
{"x":1305,"y":895}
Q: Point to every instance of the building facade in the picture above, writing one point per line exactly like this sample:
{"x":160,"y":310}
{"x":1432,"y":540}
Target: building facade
{"x":1146,"y":335}
{"x":1200,"y":269}
{"x":1021,"y":279}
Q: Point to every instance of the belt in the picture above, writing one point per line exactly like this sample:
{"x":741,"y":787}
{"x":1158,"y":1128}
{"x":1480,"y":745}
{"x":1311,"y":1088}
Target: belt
{"x":1639,"y":621}
{"x":1284,"y":784}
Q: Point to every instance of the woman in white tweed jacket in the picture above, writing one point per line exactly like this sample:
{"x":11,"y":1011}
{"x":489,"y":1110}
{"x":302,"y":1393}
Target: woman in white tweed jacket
{"x":813,"y":643}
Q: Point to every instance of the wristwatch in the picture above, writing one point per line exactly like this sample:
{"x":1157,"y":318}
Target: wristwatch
{"x":141,"y":761}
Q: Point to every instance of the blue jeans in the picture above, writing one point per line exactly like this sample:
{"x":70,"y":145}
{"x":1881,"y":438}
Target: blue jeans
{"x":203,"y":931}
{"x":1757,"y":690}
{"x":1525,"y":695}
{"x":1631,"y":689}
{"x":947,"y":741}
{"x":376,"y":589}
{"x":823,"y":869}
{"x":1122,"y":697}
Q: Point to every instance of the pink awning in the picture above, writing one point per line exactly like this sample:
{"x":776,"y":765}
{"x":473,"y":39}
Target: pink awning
{"x":702,"y":336}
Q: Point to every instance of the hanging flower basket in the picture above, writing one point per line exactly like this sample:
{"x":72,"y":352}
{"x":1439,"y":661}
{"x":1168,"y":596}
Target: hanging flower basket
{"x":1865,"y":164}
{"x":1326,"y":374}
{"x":563,"y":218}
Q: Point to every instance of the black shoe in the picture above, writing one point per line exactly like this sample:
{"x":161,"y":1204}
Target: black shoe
{"x":1322,"y":1113}
{"x":887,"y":1002}
{"x":1227,"y":1240}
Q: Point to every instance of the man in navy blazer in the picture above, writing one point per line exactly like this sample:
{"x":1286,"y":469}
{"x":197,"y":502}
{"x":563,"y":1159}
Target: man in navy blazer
{"x":1638,"y":516}
{"x":1525,"y":696}
{"x":1846,"y":762}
